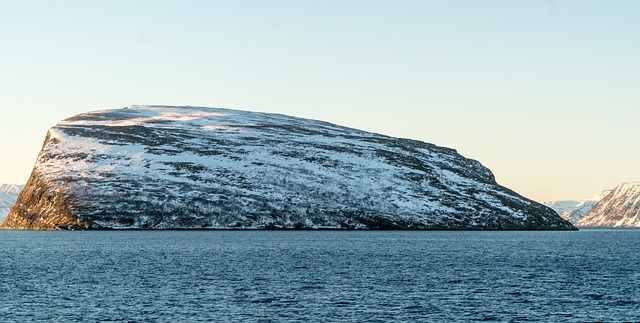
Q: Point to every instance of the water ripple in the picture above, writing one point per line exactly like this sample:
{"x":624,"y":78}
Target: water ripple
{"x":235,"y":276}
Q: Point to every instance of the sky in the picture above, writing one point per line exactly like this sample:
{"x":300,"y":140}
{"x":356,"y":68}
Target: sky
{"x":544,"y":93}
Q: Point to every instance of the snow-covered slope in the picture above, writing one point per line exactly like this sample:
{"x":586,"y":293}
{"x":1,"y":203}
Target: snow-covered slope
{"x":158,"y":167}
{"x":574,"y":210}
{"x":620,"y":208}
{"x":8,"y":195}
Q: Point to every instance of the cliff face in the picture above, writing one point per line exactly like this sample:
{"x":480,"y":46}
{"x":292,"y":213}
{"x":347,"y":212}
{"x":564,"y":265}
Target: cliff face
{"x":156,"y":167}
{"x":620,"y":208}
{"x":39,"y":207}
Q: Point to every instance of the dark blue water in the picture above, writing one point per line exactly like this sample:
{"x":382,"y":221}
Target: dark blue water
{"x":261,"y":276}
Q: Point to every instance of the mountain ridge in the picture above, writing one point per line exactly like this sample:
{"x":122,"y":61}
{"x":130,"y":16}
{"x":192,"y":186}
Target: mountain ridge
{"x":620,"y":208}
{"x":574,"y":210}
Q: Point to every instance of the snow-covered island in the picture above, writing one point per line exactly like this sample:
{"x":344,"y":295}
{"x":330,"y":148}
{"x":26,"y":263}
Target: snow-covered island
{"x":159,"y":167}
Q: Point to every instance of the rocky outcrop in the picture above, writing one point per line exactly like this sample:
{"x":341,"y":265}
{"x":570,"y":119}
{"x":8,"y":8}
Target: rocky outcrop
{"x":157,"y":167}
{"x":39,"y":207}
{"x":620,"y":208}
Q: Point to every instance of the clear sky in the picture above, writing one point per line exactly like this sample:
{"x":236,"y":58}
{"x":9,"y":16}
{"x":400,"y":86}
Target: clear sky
{"x":545,"y":93}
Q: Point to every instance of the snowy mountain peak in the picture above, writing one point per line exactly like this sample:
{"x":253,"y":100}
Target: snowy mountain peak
{"x":619,"y":208}
{"x":8,"y":195}
{"x":574,"y":210}
{"x":10,"y":189}
{"x":601,"y":195}
{"x":628,"y":188}
{"x":162,"y":167}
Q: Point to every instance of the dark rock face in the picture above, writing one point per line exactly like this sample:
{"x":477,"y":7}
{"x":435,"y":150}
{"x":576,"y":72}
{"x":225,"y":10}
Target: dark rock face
{"x":156,"y":167}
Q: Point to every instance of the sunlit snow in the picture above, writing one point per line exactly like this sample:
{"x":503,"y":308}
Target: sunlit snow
{"x":247,"y":167}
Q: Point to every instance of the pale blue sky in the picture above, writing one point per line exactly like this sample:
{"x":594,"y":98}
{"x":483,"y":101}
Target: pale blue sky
{"x":544,"y":93}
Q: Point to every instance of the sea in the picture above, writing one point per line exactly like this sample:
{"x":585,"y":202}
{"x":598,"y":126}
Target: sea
{"x":320,"y":276}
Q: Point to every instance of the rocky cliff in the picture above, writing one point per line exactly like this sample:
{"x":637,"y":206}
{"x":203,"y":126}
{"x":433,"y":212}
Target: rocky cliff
{"x":158,"y":167}
{"x":620,"y":208}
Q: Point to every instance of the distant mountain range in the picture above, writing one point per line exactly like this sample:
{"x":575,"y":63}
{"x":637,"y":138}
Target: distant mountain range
{"x":8,"y":195}
{"x":574,"y":210}
{"x":620,"y":208}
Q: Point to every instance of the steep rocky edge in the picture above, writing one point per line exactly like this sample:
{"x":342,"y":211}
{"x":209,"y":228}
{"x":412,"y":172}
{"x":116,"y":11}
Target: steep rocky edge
{"x":39,"y":204}
{"x":619,"y":208}
{"x":158,"y":167}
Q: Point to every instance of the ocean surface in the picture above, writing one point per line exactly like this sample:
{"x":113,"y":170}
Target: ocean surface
{"x":329,"y":276}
